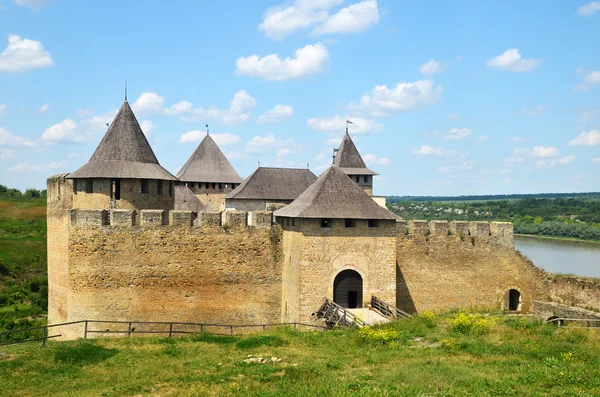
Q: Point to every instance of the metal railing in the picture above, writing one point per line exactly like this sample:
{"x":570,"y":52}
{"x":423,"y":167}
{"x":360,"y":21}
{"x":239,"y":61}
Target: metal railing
{"x":387,"y":310}
{"x":335,"y":315}
{"x":134,"y":328}
{"x":575,"y":322}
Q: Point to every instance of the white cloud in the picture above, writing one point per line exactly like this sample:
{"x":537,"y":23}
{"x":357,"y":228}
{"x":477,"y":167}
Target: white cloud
{"x":533,"y":112}
{"x":44,"y":108}
{"x":270,"y":144}
{"x":589,"y":9}
{"x":512,"y":61}
{"x":517,"y":139}
{"x":371,"y":158}
{"x":220,"y":139}
{"x":586,"y":116}
{"x":102,"y":122}
{"x":278,"y":113}
{"x":591,"y":138}
{"x":465,"y":166}
{"x":514,"y":159}
{"x":309,"y":60}
{"x":66,"y":131}
{"x":553,"y":162}
{"x":147,"y":127}
{"x":596,"y":160}
{"x":8,"y":139}
{"x":148,"y":102}
{"x":283,"y":20}
{"x":2,"y":110}
{"x":6,"y":153}
{"x":591,"y":78}
{"x":384,"y":101}
{"x":481,"y":139}
{"x":33,"y":4}
{"x":30,"y":168}
{"x":453,"y":116}
{"x":354,"y":18}
{"x":432,"y":67}
{"x":457,"y":133}
{"x":544,"y":151}
{"x":507,"y":181}
{"x":426,"y":150}
{"x":23,"y":54}
{"x":338,"y":124}
{"x":84,"y":112}
{"x":238,"y":111}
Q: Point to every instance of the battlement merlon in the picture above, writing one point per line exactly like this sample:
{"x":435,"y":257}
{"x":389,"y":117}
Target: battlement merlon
{"x":497,"y":232}
{"x":173,"y":218}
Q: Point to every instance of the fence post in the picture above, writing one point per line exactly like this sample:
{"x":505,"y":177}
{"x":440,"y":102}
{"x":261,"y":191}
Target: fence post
{"x":170,"y":329}
{"x":129,"y":329}
{"x":294,"y":326}
{"x":85,"y":330}
{"x":231,"y":330}
{"x":264,"y":328}
{"x":201,"y":328}
{"x":44,"y":336}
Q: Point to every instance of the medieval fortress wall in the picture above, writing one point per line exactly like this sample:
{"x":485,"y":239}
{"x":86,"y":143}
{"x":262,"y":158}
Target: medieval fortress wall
{"x":237,"y":267}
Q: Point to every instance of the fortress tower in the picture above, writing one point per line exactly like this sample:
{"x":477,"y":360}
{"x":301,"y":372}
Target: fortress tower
{"x":209,"y":174}
{"x":340,"y":244}
{"x":351,"y":163}
{"x":123,"y":172}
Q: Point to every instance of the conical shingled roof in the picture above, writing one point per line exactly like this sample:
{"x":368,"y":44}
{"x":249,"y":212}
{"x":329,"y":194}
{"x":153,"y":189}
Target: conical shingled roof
{"x":349,"y":160}
{"x":124,"y":152}
{"x":335,"y":195}
{"x":268,"y":183}
{"x":208,"y":164}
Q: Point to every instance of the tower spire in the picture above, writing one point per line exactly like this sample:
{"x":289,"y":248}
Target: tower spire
{"x":207,"y":133}
{"x":125,"y":90}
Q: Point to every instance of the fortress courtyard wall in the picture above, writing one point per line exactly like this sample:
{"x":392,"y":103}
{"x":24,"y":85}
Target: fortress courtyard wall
{"x":173,"y":270}
{"x":443,"y":265}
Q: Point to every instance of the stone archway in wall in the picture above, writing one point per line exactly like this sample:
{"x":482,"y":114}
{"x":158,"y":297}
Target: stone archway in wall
{"x":348,"y":289}
{"x":513,"y":299}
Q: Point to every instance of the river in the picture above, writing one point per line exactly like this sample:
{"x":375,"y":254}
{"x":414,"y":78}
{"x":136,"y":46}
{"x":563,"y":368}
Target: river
{"x":561,"y":256}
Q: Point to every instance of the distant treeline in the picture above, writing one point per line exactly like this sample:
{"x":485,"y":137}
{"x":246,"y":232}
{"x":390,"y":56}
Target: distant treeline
{"x":11,"y":192}
{"x":393,"y":199}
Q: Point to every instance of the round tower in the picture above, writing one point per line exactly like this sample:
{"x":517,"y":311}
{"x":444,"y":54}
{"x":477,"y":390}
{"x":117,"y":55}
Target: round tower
{"x":123,"y":172}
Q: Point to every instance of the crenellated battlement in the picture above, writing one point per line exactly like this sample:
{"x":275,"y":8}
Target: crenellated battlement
{"x":174,"y":218}
{"x":498,"y":232}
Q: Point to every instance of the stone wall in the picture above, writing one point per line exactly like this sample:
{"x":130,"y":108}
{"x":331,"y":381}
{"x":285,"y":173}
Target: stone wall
{"x":445,"y":265}
{"x":575,"y":291}
{"x":132,"y":197}
{"x":59,"y":201}
{"x":174,"y":272}
{"x":252,"y":205}
{"x":211,"y":195}
{"x":314,"y":256}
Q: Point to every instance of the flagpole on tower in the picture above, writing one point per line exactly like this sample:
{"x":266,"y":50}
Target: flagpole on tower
{"x":207,"y":130}
{"x":348,"y":122}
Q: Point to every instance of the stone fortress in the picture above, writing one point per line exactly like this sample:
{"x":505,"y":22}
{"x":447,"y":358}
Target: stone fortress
{"x":128,"y":240}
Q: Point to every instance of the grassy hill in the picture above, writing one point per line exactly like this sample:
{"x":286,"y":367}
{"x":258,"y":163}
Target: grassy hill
{"x":455,"y":354}
{"x":23,"y":281}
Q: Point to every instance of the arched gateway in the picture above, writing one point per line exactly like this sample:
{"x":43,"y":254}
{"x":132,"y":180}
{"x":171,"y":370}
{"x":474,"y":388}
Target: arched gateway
{"x":348,"y":289}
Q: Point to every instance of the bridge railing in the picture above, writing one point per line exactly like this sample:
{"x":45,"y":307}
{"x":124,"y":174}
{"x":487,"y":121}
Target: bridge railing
{"x":387,"y":310}
{"x":575,"y":322}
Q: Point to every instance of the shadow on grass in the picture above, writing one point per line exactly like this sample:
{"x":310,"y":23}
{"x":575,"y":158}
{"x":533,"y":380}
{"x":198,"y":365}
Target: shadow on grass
{"x":83,"y":353}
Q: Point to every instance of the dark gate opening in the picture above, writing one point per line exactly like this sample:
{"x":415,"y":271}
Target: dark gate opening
{"x":514,"y":300}
{"x":348,"y":289}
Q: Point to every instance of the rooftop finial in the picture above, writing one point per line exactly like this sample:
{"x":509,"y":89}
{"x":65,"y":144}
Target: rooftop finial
{"x":348,"y":122}
{"x":307,"y":165}
{"x":258,"y":163}
{"x":125,"y":90}
{"x":207,"y":133}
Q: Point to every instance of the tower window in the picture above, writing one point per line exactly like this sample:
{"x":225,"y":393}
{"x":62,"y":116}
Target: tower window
{"x":89,"y":185}
{"x":325,"y":222}
{"x":366,"y":178}
{"x":220,"y":186}
{"x":145,"y":186}
{"x":159,"y":186}
{"x":373,"y":222}
{"x":350,"y":222}
{"x":115,"y":189}
{"x":214,"y":185}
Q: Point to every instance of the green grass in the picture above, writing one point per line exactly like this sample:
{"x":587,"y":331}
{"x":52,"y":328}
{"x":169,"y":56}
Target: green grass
{"x":23,"y":263}
{"x":420,"y":357}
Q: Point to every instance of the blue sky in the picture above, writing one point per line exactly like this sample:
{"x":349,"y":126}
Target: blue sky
{"x":447,"y":98}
